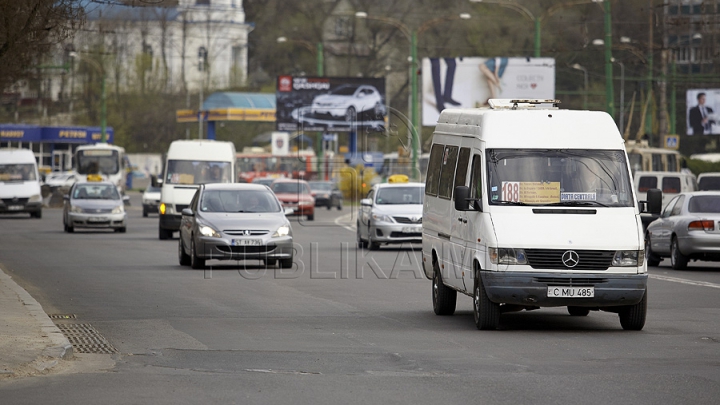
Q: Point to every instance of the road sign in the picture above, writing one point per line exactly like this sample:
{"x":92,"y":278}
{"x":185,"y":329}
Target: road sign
{"x":672,"y":142}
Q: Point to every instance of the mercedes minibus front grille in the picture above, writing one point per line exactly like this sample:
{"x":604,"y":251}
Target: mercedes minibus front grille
{"x":553,"y":259}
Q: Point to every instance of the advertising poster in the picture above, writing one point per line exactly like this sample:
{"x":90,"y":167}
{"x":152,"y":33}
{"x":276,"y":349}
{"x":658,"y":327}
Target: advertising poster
{"x":330,"y":104}
{"x":703,"y":108}
{"x":471,"y":82}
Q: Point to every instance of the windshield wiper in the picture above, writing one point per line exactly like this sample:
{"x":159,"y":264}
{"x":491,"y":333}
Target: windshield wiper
{"x":502,"y":202}
{"x":577,"y":204}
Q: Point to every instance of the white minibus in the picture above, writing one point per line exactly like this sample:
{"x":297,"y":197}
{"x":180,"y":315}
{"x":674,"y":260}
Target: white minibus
{"x":190,"y":163}
{"x":530,"y":206}
{"x":19,"y":183}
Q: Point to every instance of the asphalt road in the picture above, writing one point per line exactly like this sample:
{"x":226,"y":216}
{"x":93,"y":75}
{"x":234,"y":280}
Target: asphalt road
{"x":341,"y":327}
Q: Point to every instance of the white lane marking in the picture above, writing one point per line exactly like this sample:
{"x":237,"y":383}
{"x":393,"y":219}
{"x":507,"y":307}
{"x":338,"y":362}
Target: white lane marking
{"x":683,"y":281}
{"x":347,"y":218}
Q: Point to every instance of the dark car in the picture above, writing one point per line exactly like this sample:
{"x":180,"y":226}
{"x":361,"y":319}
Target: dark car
{"x":234,"y":221}
{"x":326,"y":194}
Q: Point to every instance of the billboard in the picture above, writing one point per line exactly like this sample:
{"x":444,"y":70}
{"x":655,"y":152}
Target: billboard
{"x":470,"y":82}
{"x":330,"y":104}
{"x":703,"y":109}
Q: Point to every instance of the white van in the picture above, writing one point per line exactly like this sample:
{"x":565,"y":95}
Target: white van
{"x":529,"y":206}
{"x":190,"y":163}
{"x":670,"y":183}
{"x":709,"y":181}
{"x":19,"y":182}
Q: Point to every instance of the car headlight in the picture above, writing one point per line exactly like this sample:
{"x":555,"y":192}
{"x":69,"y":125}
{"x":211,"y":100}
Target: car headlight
{"x":76,"y":209}
{"x":507,"y":256}
{"x":305,"y":202}
{"x":326,"y":195}
{"x":282,"y":231}
{"x":628,"y":258}
{"x":35,"y":198}
{"x":382,"y":218}
{"x":118,"y":210}
{"x":208,"y":231}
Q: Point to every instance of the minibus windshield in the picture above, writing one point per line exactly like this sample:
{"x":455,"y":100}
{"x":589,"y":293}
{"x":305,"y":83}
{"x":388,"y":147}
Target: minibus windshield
{"x":553,"y":177}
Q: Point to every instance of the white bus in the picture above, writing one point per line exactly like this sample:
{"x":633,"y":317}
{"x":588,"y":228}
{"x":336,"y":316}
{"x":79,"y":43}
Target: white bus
{"x":105,"y":159}
{"x":394,"y":164}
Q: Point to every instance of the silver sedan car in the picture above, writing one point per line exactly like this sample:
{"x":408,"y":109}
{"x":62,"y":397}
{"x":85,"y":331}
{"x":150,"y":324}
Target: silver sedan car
{"x":235,"y":221}
{"x":94,"y":205}
{"x":688,"y":229}
{"x":391,"y":213}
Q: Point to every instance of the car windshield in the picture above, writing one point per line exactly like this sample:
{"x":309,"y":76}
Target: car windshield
{"x":567,"y":177}
{"x":321,"y":186}
{"x":197,"y":172}
{"x":17,"y":172}
{"x":290,"y":188}
{"x":345,"y":90}
{"x":95,"y":192}
{"x":704,"y":203}
{"x":248,"y":201}
{"x":400,"y":195}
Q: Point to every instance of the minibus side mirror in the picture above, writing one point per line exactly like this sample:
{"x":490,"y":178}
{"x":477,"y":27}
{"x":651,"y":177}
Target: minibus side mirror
{"x":654,"y":201}
{"x":462,"y":202}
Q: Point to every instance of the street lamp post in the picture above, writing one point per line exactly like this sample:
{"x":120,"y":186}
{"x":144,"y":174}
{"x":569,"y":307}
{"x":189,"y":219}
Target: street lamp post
{"x":537,"y":20}
{"x":412,"y":35}
{"x":585,"y":74}
{"x":103,"y":96}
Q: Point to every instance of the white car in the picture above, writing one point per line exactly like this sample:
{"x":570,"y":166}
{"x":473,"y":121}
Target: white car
{"x":61,"y":179}
{"x":391,"y":213}
{"x":348,"y":101}
{"x":151,"y":200}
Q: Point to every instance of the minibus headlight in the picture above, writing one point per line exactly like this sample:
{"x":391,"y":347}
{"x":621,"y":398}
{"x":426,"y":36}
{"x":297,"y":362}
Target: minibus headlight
{"x":507,"y":256}
{"x":628,"y":258}
{"x":35,"y":198}
{"x":165,"y":209}
{"x":208,"y":231}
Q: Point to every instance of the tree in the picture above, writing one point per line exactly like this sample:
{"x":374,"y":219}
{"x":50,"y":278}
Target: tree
{"x":28,"y":29}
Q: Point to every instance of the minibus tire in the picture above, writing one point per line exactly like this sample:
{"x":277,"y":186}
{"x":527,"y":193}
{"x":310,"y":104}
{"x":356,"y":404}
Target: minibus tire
{"x":444,"y":298}
{"x":487,"y":313}
{"x":163,"y":234}
{"x":632,"y":317}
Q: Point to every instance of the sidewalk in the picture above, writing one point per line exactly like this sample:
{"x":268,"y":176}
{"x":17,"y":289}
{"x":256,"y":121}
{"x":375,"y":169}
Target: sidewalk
{"x":30,"y":343}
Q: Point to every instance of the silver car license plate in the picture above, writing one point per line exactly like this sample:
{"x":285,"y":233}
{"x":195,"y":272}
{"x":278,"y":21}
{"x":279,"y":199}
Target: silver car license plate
{"x":409,"y":229}
{"x":247,"y":242}
{"x":15,"y":207}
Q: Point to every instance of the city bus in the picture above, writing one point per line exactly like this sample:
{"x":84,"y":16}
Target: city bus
{"x":260,"y":164}
{"x":105,"y":159}
{"x":395,"y":164}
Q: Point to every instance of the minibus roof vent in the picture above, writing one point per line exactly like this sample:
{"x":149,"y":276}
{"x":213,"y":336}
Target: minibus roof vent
{"x":523,"y":104}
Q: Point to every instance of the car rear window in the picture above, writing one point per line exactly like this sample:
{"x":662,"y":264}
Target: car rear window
{"x":704,"y":203}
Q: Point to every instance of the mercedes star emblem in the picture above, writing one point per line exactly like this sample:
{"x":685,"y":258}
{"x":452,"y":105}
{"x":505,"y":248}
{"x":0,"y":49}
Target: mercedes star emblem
{"x":570,"y":258}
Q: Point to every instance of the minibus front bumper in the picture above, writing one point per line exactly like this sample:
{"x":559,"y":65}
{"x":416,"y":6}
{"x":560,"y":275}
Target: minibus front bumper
{"x":531,"y":289}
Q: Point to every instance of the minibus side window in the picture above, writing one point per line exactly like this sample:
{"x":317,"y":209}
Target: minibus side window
{"x":461,"y":171}
{"x":447,"y":171}
{"x":476,"y":178}
{"x":432,"y":179}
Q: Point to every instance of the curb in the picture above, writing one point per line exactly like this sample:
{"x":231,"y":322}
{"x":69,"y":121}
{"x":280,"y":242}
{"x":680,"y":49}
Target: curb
{"x":60,"y":347}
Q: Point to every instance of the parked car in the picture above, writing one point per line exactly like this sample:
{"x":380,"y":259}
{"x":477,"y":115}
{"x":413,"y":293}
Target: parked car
{"x":708,"y":181}
{"x":295,"y":194}
{"x":326,"y":194}
{"x":237,"y":221}
{"x":348,"y":101}
{"x":94,"y":204}
{"x":688,"y":229}
{"x":151,"y":200}
{"x":391,"y":213}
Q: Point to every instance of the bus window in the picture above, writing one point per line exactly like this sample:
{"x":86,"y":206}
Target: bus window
{"x":672,"y":164}
{"x":657,"y":162}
